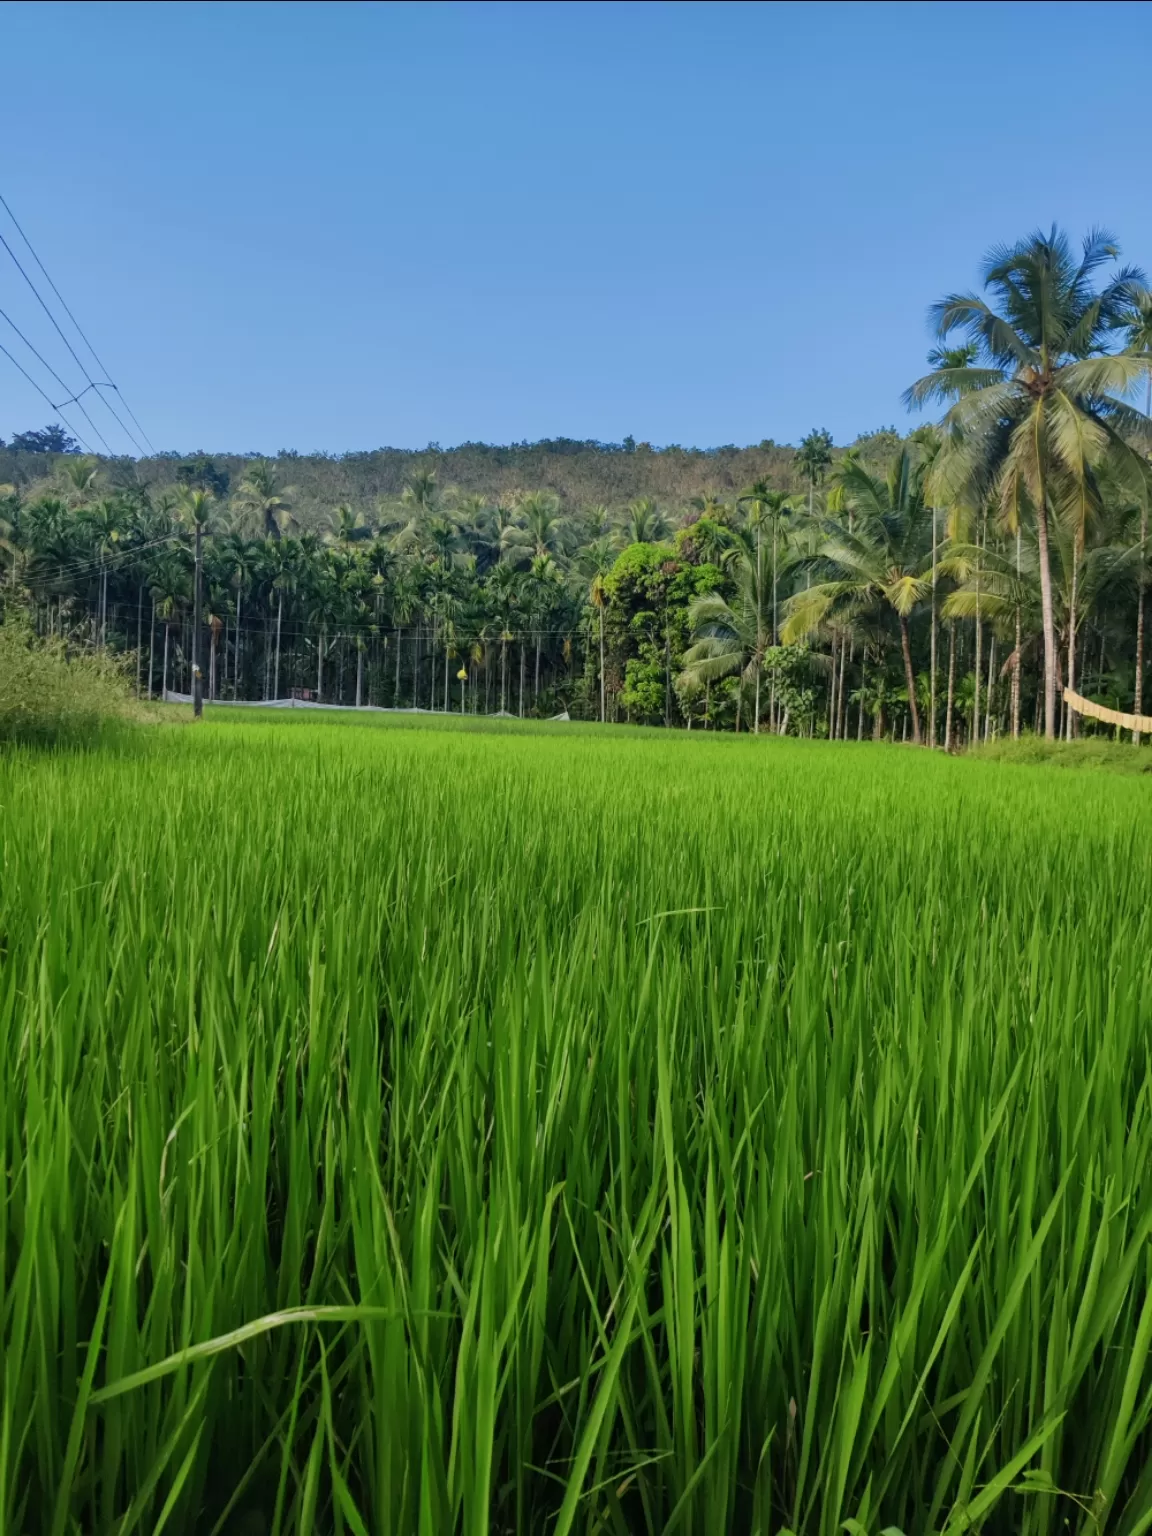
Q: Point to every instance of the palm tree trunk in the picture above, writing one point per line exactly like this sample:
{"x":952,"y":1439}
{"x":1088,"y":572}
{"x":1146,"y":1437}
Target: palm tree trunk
{"x":320,"y":668}
{"x":1138,"y":706}
{"x":951,"y":685}
{"x":1016,"y":681}
{"x":445,"y":679}
{"x":979,"y":636}
{"x":1049,"y":622}
{"x":932,"y":699}
{"x":603,"y":715}
{"x":536,"y":679}
{"x":910,"y":679}
{"x":1069,"y":713}
{"x":276,"y":671}
{"x":831,"y":695}
{"x":212,"y":665}
{"x":1139,"y":703}
{"x":759,"y":619}
{"x":164,"y":672}
{"x":1016,"y":658}
{"x":503,"y":674}
{"x":842,"y":723}
{"x":359,"y":675}
{"x":139,"y":634}
{"x":991,"y":685}
{"x":152,"y":648}
{"x":521,"y":679}
{"x":432,"y":670}
{"x":237,"y":675}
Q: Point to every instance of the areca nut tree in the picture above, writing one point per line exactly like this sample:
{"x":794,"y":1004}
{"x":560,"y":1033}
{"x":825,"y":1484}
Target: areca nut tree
{"x":1046,"y":399}
{"x":881,"y":562}
{"x":813,"y":456}
{"x":596,"y":561}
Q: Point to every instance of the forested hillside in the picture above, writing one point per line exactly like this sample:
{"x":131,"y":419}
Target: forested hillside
{"x":580,"y":473}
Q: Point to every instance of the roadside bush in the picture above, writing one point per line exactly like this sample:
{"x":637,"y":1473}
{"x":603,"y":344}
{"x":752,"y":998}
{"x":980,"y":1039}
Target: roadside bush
{"x":52,"y":697}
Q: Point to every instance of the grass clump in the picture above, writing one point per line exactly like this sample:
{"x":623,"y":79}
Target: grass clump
{"x":51,"y":696}
{"x":448,"y":1131}
{"x":1086,"y":752}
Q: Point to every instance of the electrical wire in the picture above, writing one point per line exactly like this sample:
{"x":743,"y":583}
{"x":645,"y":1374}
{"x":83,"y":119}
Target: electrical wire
{"x":297,"y":627}
{"x":40,"y":300}
{"x":36,"y":387}
{"x":111,"y":561}
{"x":43,"y":360}
{"x":79,"y":329}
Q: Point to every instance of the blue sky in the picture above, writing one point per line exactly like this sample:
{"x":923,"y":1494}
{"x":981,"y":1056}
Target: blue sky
{"x":342,"y":226}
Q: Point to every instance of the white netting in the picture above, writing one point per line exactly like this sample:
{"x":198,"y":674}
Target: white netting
{"x":172,"y":697}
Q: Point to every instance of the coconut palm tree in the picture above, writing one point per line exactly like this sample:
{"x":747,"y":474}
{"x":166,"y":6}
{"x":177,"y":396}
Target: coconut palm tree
{"x":540,"y":530}
{"x":1034,"y":417}
{"x":421,"y":491}
{"x":644,"y":522}
{"x":595,"y":522}
{"x":80,"y":478}
{"x":348,"y":526}
{"x":764,"y":508}
{"x":262,"y":499}
{"x":881,"y":561}
{"x":733,"y":637}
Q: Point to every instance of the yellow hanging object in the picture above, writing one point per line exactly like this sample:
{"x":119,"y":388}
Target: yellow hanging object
{"x":1084,"y":706}
{"x":462,"y":675}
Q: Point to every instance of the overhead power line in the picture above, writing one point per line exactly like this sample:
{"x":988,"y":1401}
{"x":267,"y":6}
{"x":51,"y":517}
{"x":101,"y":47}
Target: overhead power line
{"x":44,"y":361}
{"x":108,"y":382}
{"x":39,"y":391}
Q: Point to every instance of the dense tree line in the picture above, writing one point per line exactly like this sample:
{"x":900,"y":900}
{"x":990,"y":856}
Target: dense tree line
{"x":940,"y":587}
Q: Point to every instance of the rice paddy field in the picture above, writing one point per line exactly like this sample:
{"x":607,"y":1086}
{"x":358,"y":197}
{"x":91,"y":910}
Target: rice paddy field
{"x":431,"y":1129}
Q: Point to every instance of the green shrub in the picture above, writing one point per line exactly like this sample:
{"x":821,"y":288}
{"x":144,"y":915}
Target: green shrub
{"x":50,"y":696}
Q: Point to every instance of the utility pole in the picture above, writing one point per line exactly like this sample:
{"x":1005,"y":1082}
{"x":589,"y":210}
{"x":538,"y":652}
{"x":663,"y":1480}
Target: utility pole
{"x":197,"y":680}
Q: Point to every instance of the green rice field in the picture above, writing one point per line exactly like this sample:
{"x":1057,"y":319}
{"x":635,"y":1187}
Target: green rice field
{"x":436,"y":1127}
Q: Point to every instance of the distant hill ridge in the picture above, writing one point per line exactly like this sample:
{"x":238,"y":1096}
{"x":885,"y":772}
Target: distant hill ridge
{"x":582,"y":473}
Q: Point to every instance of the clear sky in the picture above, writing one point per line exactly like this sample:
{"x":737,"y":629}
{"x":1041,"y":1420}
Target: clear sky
{"x":343,"y":226}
